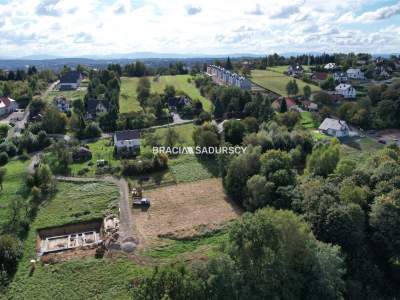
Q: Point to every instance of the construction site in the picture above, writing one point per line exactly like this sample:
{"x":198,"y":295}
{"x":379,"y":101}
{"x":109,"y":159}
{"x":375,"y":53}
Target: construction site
{"x":81,"y":236}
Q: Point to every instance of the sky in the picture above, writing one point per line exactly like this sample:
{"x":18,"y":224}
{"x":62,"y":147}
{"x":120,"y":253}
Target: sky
{"x":67,"y":28}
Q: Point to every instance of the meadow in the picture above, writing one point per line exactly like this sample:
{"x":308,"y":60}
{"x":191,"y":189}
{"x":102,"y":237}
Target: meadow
{"x":128,"y":98}
{"x":13,"y":182}
{"x":276,"y":82}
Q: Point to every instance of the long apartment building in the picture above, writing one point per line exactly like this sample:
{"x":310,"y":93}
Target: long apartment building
{"x":223,"y":76}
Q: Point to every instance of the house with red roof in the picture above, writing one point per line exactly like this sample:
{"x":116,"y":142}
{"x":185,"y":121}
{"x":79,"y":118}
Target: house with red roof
{"x":7,"y":105}
{"x":290,"y":103}
{"x":319,"y":76}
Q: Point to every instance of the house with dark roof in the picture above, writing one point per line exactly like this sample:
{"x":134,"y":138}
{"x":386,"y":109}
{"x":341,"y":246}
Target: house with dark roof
{"x":178,"y":102}
{"x":94,"y":107}
{"x":7,"y":105}
{"x":127,"y":141}
{"x":70,"y":81}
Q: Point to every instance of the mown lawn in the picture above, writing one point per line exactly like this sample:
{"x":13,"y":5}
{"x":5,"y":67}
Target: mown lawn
{"x":13,"y":181}
{"x":77,"y":279}
{"x":307,"y":121}
{"x":128,"y":99}
{"x":276,"y":82}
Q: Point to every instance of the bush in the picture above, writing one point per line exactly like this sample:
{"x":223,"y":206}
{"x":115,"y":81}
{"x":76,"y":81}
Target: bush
{"x":144,"y":166}
{"x":3,"y":158}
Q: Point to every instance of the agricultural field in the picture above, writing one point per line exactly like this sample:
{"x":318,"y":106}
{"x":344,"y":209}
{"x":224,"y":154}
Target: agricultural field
{"x":184,"y":211}
{"x":129,"y":102}
{"x":13,"y":182}
{"x":89,"y":277}
{"x":276,"y":82}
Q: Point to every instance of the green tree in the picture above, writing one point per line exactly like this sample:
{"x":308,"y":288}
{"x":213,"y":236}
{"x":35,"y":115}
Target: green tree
{"x":143,"y":90}
{"x":3,"y":172}
{"x":324,"y":158}
{"x":307,"y":91}
{"x":234,"y":131}
{"x":169,"y":91}
{"x":280,"y":243}
{"x":10,"y":253}
{"x":53,"y":121}
{"x":283,"y":108}
{"x":218,"y":109}
{"x":384,"y":220}
{"x":171,"y":137}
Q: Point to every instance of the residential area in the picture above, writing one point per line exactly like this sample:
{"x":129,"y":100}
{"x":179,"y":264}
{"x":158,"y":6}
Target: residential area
{"x":84,"y":192}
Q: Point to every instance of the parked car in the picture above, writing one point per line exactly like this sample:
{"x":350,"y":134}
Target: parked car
{"x":382,"y":141}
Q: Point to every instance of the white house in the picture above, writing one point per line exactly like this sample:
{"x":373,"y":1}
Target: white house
{"x":330,"y":66}
{"x":127,"y":141}
{"x":70,"y":81}
{"x":7,"y":105}
{"x":336,"y":128}
{"x":355,"y":74}
{"x":346,"y":90}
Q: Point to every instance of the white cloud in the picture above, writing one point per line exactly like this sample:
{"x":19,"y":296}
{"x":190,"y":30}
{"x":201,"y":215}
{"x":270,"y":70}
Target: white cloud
{"x":380,"y":14}
{"x":65,"y":28}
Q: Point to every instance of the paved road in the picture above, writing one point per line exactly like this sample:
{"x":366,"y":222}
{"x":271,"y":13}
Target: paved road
{"x":19,"y":125}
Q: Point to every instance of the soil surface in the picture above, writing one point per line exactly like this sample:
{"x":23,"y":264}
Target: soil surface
{"x":183,"y":210}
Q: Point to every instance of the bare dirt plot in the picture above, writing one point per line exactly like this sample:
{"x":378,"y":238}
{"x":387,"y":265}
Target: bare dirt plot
{"x":183,"y":209}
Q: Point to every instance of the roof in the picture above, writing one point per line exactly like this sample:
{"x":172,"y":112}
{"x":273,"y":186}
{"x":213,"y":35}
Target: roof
{"x":289,"y":102}
{"x":333,"y":124}
{"x":125,"y":135}
{"x":5,"y":101}
{"x":91,"y":105}
{"x":351,"y":70}
{"x":70,"y":77}
{"x":343,"y":86}
{"x":320,"y":75}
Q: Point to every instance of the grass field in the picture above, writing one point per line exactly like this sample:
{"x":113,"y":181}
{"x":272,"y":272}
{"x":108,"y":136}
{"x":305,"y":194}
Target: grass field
{"x":76,"y":279}
{"x":276,"y":82}
{"x":360,"y":148}
{"x":185,"y":132}
{"x":187,"y":168}
{"x":13,"y":181}
{"x":128,"y":100}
